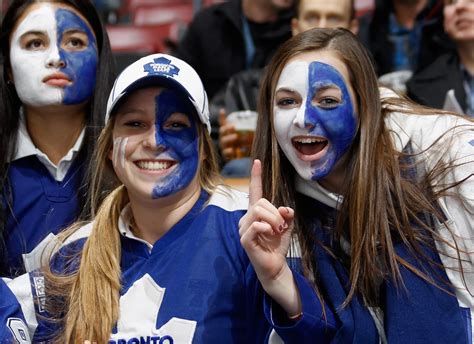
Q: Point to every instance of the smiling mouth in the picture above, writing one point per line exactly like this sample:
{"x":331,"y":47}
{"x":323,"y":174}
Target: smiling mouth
{"x":306,"y":145}
{"x":154,"y":165}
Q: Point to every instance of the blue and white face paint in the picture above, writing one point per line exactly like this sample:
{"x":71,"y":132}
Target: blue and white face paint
{"x":179,"y":141}
{"x":53,"y":56}
{"x":156,"y":145}
{"x":314,"y":117}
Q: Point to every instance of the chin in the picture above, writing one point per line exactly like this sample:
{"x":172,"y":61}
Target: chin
{"x":50,"y":101}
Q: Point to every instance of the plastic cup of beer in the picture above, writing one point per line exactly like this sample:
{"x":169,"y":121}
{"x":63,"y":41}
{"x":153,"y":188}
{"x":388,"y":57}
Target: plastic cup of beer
{"x":245,"y":123}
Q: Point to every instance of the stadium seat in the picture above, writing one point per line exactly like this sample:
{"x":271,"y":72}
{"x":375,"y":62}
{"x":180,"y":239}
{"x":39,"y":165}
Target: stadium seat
{"x":143,"y":39}
{"x":162,"y":14}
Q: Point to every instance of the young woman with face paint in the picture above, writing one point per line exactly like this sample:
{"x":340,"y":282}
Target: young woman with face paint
{"x":57,"y":71}
{"x":162,"y":259}
{"x":377,"y":191}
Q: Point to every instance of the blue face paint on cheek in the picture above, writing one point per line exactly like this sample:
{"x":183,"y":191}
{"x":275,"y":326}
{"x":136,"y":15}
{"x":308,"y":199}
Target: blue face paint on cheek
{"x":81,"y":66}
{"x":336,"y":123}
{"x":180,"y":142}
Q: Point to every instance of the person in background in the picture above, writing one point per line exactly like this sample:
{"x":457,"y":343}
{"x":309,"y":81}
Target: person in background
{"x":57,"y":72}
{"x":226,"y":38}
{"x":449,"y":81}
{"x":377,"y":191}
{"x":324,"y":14}
{"x":107,"y":9}
{"x":241,"y":92}
{"x":403,"y":35}
{"x":162,"y":257}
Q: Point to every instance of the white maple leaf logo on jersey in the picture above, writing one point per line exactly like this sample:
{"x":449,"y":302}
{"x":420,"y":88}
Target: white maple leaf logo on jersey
{"x":139,"y":308}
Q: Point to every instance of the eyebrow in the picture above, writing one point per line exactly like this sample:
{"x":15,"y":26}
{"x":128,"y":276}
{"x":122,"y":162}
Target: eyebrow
{"x":286,"y":89}
{"x":326,"y":86}
{"x":74,"y":30}
{"x":131,"y":111}
{"x":37,"y":32}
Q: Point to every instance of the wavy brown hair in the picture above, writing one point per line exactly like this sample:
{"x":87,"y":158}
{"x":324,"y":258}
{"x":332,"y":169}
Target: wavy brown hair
{"x":74,"y":298}
{"x":381,"y":204}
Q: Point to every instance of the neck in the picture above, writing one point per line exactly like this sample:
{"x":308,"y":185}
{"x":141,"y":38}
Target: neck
{"x":155,"y":218}
{"x":406,"y":12}
{"x":466,"y":56}
{"x":259,"y":11}
{"x":314,"y":190}
{"x":55,"y":129}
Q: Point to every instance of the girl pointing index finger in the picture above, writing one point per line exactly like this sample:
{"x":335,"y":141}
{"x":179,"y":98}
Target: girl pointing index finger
{"x":381,"y":240}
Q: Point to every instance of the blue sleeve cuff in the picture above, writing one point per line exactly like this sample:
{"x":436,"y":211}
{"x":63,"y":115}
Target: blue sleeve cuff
{"x":311,"y":325}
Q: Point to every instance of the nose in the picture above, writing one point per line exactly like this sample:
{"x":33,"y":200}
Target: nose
{"x":54,"y":59}
{"x":152,"y":140}
{"x":149,"y":139}
{"x":323,"y":23}
{"x":300,"y":119}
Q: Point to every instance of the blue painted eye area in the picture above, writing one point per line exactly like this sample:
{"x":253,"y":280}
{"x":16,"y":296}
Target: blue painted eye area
{"x":177,"y":122}
{"x":176,"y":132}
{"x":329,"y":111}
{"x":78,"y":49}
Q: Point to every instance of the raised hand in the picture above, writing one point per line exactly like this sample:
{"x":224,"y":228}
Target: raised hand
{"x":265,"y":233}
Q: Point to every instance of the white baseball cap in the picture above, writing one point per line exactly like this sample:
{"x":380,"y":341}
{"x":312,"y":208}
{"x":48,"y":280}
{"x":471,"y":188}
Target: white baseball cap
{"x":161,"y":70}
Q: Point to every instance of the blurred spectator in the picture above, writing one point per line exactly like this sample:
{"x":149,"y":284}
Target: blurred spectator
{"x":449,"y":81}
{"x":226,"y":38}
{"x":403,"y":35}
{"x":324,"y":14}
{"x":241,"y":92}
{"x":107,"y":9}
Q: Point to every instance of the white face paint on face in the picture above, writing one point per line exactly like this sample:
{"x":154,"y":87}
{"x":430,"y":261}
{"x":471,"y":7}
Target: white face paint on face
{"x":53,"y":56}
{"x":314,"y":118}
{"x":120,"y":144}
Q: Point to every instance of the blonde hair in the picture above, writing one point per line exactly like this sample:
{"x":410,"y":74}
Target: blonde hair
{"x":97,"y":281}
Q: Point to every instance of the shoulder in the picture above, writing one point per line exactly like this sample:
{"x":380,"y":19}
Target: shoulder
{"x":81,"y":233}
{"x":17,"y":299}
{"x":66,"y":257}
{"x":426,"y":131}
{"x":229,"y":199}
{"x":429,"y":84}
{"x":441,"y":68}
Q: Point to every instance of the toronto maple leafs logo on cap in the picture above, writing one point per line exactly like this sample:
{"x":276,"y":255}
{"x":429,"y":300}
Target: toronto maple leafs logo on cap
{"x":161,"y":66}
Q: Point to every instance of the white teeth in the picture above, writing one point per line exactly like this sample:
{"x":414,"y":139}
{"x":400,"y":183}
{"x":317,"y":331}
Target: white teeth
{"x":154,"y":165}
{"x":309,"y":140}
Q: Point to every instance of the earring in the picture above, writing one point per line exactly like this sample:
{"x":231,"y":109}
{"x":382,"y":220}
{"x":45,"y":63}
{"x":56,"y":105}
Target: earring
{"x":9,"y":82}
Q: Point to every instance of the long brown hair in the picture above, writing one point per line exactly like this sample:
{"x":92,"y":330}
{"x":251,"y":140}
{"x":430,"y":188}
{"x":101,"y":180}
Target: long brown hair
{"x":74,"y":298}
{"x":380,"y":203}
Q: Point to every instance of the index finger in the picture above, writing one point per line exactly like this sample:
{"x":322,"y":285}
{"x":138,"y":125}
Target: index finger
{"x":255,"y":187}
{"x":222,"y":117}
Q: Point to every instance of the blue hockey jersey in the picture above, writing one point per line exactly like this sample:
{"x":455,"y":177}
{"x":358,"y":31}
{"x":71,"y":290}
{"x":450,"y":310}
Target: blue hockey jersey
{"x":40,"y":205}
{"x":194,"y":285}
{"x":12,"y":323}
